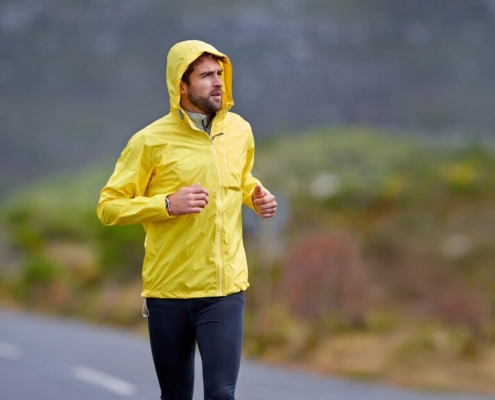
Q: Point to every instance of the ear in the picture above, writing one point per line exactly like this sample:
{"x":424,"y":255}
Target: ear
{"x":182,"y":87}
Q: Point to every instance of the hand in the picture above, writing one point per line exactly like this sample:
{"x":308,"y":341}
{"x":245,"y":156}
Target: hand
{"x":188,"y":200}
{"x":264,"y":202}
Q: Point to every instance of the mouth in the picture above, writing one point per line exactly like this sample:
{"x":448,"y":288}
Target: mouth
{"x":216,"y":96}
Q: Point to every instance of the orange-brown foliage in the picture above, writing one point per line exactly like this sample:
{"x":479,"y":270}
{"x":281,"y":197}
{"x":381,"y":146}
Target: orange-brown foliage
{"x":323,"y":274}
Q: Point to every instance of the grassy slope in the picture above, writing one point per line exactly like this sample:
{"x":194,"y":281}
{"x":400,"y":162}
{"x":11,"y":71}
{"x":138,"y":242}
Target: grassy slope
{"x":419,"y":212}
{"x":404,"y":225}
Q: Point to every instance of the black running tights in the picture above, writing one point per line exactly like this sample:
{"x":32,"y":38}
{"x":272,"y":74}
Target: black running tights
{"x":216,"y":325}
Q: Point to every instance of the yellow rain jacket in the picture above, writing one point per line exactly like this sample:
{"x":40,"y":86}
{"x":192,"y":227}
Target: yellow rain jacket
{"x":192,"y":255}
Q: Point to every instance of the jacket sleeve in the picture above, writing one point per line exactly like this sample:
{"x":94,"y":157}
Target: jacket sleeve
{"x":249,"y":182}
{"x":123,"y":200}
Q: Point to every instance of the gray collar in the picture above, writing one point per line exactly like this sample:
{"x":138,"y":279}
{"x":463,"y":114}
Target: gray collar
{"x":202,"y":121}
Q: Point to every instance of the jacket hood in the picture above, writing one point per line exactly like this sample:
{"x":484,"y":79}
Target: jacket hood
{"x":181,"y":56}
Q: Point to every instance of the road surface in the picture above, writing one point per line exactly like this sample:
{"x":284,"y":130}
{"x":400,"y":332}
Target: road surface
{"x":49,"y":359}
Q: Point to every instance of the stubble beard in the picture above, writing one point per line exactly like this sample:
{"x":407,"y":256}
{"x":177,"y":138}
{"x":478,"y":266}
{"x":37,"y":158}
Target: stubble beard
{"x":205,"y":104}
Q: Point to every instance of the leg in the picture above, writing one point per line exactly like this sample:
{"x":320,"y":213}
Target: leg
{"x":173,"y":346}
{"x":219,"y":329}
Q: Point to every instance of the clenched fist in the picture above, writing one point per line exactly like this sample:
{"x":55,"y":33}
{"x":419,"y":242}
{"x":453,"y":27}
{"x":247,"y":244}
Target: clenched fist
{"x":264,"y":202}
{"x":188,"y":200}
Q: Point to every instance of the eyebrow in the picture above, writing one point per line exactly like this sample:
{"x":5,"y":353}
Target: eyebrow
{"x":206,"y":73}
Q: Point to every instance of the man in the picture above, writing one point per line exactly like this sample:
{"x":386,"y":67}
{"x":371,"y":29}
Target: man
{"x":185,"y":178}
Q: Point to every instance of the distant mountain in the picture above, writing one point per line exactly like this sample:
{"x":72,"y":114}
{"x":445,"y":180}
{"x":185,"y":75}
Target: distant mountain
{"x":78,"y":78}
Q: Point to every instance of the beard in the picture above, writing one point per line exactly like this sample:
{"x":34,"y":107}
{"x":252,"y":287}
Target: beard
{"x":205,"y":104}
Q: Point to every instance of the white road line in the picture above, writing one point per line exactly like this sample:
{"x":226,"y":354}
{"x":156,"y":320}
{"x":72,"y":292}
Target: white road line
{"x":103,"y":380}
{"x":9,"y":351}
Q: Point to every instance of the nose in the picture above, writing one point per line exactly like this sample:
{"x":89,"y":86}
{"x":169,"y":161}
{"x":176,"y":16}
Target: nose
{"x":218,"y":81}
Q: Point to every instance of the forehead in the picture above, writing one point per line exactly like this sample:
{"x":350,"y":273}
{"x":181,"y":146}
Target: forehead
{"x":207,"y":64}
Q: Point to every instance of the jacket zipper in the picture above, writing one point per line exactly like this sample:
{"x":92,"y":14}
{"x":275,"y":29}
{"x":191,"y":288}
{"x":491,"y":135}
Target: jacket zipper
{"x":219,"y":194}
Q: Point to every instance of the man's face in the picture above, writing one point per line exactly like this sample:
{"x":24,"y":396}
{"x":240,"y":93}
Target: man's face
{"x":204,"y":93}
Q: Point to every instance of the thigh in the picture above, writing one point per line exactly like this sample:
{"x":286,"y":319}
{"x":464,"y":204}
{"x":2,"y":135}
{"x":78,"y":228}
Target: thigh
{"x":219,"y":330}
{"x":173,"y":345}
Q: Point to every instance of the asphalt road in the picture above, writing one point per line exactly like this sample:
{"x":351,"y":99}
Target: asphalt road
{"x":50,"y":359}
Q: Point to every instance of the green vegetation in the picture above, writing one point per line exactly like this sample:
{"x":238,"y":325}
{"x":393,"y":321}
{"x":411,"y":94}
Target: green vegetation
{"x":382,"y":268}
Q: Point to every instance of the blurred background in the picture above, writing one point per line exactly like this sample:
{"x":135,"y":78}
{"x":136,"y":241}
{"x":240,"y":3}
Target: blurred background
{"x":374,"y":128}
